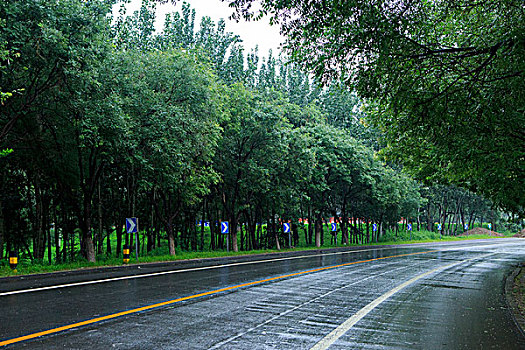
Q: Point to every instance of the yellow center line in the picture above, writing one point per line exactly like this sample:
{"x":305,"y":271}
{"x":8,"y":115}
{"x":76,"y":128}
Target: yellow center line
{"x":178,"y":300}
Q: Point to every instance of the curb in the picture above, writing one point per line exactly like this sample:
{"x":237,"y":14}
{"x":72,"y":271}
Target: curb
{"x":517,"y":317}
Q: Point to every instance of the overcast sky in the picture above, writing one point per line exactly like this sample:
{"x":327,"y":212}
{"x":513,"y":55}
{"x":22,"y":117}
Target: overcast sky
{"x":252,"y":33}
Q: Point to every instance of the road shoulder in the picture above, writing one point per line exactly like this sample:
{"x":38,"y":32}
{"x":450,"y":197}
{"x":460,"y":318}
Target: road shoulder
{"x":515,"y":296}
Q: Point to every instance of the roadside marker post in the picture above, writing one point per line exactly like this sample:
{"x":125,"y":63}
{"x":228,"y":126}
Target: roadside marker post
{"x":409,"y":228}
{"x":465,"y":227}
{"x":13,"y":260}
{"x":125,"y":254}
{"x":490,"y":226}
{"x":132,"y":226}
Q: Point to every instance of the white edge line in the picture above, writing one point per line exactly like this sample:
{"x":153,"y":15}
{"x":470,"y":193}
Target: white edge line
{"x":337,"y":333}
{"x":76,"y":284}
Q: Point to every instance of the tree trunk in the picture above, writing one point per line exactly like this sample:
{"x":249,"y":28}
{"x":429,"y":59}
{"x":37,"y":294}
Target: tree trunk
{"x":368,"y":231}
{"x":430,"y":224}
{"x":260,"y":235}
{"x":39,"y":239}
{"x":310,"y":226}
{"x":108,"y":240}
{"x":171,"y":238}
{"x":87,"y":247}
{"x":49,"y":244}
{"x":233,"y":232}
{"x":213,"y":237}
{"x":318,"y":228}
{"x":58,"y":256}
{"x":119,"y":230}
{"x":204,"y":204}
{"x":1,"y":231}
{"x":100,"y":230}
{"x":275,"y":232}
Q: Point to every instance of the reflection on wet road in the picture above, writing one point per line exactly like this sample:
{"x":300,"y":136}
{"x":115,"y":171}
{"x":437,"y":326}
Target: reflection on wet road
{"x":448,"y":296}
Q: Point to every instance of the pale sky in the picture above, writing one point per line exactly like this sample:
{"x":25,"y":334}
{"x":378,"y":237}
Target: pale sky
{"x":252,"y":33}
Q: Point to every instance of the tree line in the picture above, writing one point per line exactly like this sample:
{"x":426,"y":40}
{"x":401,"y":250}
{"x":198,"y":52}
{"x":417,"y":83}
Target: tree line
{"x":103,"y":118}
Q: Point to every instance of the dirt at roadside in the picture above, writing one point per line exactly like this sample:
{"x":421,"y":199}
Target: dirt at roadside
{"x":481,"y":231}
{"x":520,"y":234}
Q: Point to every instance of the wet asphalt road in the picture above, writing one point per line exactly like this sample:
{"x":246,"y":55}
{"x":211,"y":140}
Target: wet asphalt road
{"x":458,"y":305}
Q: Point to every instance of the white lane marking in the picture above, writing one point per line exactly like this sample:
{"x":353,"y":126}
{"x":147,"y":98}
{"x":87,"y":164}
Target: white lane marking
{"x":226,"y":341}
{"x":76,"y":284}
{"x":485,"y":246}
{"x":337,"y":333}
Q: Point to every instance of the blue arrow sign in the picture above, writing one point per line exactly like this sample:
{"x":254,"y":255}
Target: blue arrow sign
{"x":286,"y":227}
{"x":490,"y":226}
{"x":409,"y":227}
{"x":225,"y":227}
{"x":334,"y":227}
{"x":206,"y":224}
{"x":374,"y":227}
{"x":132,"y":225}
{"x":465,"y":226}
{"x":439,"y":227}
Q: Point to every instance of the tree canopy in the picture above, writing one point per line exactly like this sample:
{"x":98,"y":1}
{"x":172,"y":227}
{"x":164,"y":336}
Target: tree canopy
{"x":444,"y":80}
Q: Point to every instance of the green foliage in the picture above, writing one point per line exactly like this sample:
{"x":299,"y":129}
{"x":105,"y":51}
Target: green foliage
{"x":111,"y":119}
{"x":444,"y":79}
{"x":404,"y":236}
{"x":5,"y":152}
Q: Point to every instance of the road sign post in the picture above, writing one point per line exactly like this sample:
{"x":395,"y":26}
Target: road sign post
{"x":334,"y":231}
{"x":225,"y":230}
{"x":132,"y":226}
{"x":409,"y":228}
{"x":286,"y":229}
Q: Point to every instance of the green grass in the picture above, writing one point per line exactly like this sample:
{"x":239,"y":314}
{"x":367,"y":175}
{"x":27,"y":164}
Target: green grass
{"x":160,"y":254}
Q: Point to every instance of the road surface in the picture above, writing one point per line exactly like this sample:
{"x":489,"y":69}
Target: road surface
{"x":433,"y":296}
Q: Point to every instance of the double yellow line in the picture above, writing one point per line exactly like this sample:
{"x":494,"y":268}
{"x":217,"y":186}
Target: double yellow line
{"x":178,"y":300}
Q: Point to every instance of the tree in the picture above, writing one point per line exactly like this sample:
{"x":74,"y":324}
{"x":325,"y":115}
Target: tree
{"x":447,"y":77}
{"x":170,"y":100}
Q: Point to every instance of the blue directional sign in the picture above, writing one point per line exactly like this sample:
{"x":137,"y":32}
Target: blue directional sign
{"x":206,"y":224}
{"x":439,"y":227}
{"x":465,"y":226}
{"x":225,"y":227}
{"x":490,"y":226}
{"x":132,"y":225}
{"x":409,"y":227}
{"x":286,"y":227}
{"x":334,"y":227}
{"x":374,"y":227}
